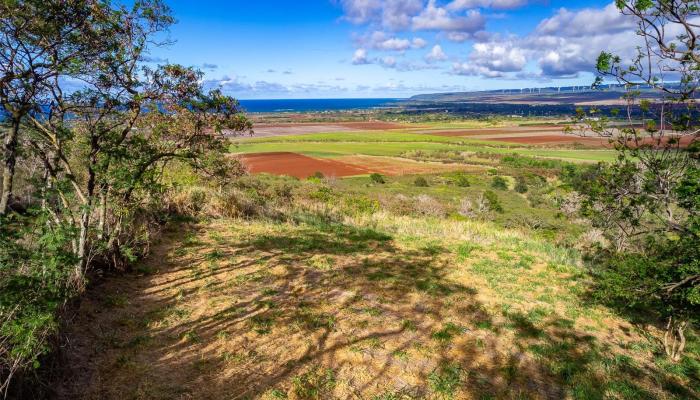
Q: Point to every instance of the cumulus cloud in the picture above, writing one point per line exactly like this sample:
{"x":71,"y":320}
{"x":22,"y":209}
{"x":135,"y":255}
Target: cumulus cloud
{"x":435,"y":18}
{"x":360,"y":57}
{"x":379,"y":40}
{"x":562,"y":46}
{"x":390,"y":14}
{"x":492,"y":60}
{"x":436,"y":54}
{"x":419,"y":43}
{"x":458,"y":5}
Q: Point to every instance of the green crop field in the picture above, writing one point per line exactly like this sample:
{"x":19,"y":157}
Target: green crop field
{"x":392,"y":143}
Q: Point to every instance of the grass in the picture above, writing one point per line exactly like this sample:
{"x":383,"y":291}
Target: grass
{"x":378,"y":148}
{"x":329,"y":303}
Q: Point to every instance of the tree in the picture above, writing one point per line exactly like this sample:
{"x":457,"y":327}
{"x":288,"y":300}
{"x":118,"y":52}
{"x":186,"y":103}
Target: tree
{"x":648,"y":200}
{"x":40,"y":41}
{"x":103,"y":148}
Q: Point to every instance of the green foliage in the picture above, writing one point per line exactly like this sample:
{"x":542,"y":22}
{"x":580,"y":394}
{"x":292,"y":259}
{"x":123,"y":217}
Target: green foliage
{"x":461,"y":180}
{"x":520,"y":185}
{"x":377,"y":178}
{"x":493,"y":202}
{"x":420,"y":182}
{"x":318,"y":175}
{"x":499,"y":183}
{"x":445,"y":381}
{"x":36,"y":280}
{"x":315,"y":384}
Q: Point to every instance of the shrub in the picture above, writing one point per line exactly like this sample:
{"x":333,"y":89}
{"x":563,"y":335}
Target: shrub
{"x":427,"y":205}
{"x":317,"y":175}
{"x":491,"y":199}
{"x":377,"y":178}
{"x":462,"y":180}
{"x":466,"y":208}
{"x":520,"y":185}
{"x":420,"y":182}
{"x":499,"y":183}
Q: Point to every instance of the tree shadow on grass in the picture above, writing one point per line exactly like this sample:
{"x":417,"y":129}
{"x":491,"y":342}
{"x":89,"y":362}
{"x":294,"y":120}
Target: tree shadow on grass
{"x":315,"y":310}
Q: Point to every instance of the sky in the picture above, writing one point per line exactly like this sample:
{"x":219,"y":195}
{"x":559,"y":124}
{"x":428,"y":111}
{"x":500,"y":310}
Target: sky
{"x":391,"y":48}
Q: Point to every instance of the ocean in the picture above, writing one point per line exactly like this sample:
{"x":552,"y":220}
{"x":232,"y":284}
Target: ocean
{"x":306,"y":105}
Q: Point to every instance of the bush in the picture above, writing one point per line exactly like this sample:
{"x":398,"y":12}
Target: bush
{"x":462,"y":180}
{"x":317,"y":175}
{"x":377,"y":178}
{"x":426,"y":205}
{"x":520,"y":185}
{"x":493,"y":203}
{"x":420,"y":182}
{"x":499,"y":183}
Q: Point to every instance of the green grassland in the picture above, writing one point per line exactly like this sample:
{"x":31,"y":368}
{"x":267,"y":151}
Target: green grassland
{"x":396,"y":142}
{"x":350,"y":288}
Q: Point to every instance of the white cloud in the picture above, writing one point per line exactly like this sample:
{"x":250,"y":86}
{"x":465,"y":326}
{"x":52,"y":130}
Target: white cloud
{"x":390,"y":14}
{"x":360,"y":57}
{"x":563,"y":45}
{"x":459,"y":5}
{"x":379,"y":40}
{"x":434,"y":18}
{"x":436,"y":54}
{"x":419,"y":43}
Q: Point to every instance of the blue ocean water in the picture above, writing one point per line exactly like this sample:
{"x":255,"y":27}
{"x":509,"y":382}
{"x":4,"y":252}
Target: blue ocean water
{"x":304,"y":105}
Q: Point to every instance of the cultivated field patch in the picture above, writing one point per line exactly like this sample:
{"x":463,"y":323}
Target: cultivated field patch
{"x":403,"y":166}
{"x":298,"y":165}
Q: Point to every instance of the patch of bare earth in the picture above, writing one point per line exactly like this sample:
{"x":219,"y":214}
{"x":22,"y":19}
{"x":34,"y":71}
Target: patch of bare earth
{"x":284,"y":129}
{"x":403,"y":166}
{"x":299,"y":165}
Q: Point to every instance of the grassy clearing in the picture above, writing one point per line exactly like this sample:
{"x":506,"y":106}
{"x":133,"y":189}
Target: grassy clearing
{"x":336,"y":149}
{"x":344,"y":298}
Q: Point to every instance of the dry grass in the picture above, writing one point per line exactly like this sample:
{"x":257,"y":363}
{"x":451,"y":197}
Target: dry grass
{"x":374,"y":307}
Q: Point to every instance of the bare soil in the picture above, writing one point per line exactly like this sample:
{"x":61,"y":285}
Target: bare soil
{"x":298,"y":165}
{"x":284,"y":129}
{"x":395,"y":166}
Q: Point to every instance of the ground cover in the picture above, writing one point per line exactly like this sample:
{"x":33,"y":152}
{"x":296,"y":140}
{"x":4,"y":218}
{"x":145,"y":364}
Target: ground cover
{"x":364,"y":303}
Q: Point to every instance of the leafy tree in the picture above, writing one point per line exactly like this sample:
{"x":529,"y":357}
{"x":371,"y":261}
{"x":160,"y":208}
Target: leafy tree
{"x":103,"y":150}
{"x":494,"y":204}
{"x":377,"y":178}
{"x":499,"y":183}
{"x":40,"y":41}
{"x":648,"y":199}
{"x":421,"y":182}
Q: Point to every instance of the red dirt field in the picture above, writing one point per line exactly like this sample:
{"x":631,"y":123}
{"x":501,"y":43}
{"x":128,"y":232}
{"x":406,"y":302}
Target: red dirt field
{"x":360,"y":125}
{"x":298,"y":165}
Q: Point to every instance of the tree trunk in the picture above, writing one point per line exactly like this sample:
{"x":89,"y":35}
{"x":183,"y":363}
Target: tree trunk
{"x":8,"y":170}
{"x":674,"y":338}
{"x":102,"y":224}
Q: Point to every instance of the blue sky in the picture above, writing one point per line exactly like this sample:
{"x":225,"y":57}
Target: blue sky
{"x":391,"y":48}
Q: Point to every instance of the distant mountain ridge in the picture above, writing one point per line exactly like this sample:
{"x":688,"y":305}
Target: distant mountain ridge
{"x":606,"y":94}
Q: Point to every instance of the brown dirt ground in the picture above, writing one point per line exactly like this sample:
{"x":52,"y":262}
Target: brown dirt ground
{"x":400,"y":166}
{"x":300,"y":128}
{"x":364,"y":125}
{"x":298,"y":165}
